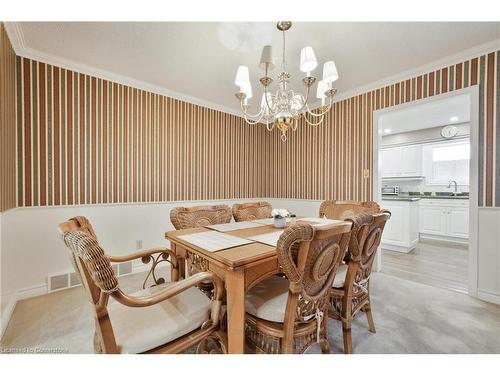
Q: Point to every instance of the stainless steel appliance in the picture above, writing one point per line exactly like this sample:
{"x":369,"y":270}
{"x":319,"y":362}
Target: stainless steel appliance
{"x":390,"y":190}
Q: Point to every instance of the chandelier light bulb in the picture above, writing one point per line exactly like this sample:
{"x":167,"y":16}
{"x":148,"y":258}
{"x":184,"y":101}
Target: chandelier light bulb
{"x":308,"y":61}
{"x":330,"y":73}
{"x":320,"y":91}
{"x":242,"y":76}
{"x":246,"y":87}
{"x":266,"y":58}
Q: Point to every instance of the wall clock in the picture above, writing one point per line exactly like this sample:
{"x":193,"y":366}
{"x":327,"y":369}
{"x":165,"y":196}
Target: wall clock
{"x":449,"y":131}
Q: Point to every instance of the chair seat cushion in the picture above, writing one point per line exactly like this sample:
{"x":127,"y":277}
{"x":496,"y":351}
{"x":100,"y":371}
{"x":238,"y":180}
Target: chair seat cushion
{"x":338,"y":281}
{"x":139,"y":329}
{"x":267,"y":300}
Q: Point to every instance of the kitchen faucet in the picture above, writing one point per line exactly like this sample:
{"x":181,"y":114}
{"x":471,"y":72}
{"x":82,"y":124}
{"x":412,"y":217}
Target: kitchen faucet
{"x":453,"y":182}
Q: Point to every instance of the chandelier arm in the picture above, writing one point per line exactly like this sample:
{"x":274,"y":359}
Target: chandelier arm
{"x":259,"y":115}
{"x":317,"y":123}
{"x":322,"y":113}
{"x":267,"y":102}
{"x":267,"y":125}
{"x":305,"y":100}
{"x":252,"y":122}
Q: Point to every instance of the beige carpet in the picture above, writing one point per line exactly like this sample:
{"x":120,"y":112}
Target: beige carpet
{"x":410,"y":318}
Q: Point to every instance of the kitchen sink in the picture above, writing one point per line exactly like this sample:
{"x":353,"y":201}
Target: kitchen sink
{"x":451,"y":194}
{"x":439,"y":194}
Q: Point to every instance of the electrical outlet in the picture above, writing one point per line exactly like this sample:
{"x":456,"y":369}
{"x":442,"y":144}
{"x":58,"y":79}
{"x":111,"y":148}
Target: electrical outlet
{"x":366,"y":173}
{"x":138,"y":244}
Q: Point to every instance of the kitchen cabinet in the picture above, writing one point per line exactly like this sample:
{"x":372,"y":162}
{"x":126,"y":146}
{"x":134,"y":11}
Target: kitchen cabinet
{"x":444,"y":219}
{"x":401,"y":231}
{"x":432,"y":220}
{"x":389,"y":162}
{"x":458,"y":222}
{"x":401,"y":161}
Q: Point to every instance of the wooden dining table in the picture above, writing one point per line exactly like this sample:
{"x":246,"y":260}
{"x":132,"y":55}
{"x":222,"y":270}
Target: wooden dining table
{"x":240,"y":267}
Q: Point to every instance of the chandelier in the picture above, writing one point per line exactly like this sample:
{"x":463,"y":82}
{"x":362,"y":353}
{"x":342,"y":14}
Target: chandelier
{"x":285,"y":108}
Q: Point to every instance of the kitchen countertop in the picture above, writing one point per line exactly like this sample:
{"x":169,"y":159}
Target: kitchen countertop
{"x":412,"y":198}
{"x":400,"y":198}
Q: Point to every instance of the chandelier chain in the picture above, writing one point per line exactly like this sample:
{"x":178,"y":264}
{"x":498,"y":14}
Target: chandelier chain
{"x":283,"y":62}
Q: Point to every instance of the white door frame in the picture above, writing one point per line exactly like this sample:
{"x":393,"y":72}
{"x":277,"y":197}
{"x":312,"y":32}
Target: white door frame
{"x":473,"y":91}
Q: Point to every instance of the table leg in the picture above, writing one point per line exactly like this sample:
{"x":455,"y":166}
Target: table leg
{"x":182,"y":267}
{"x":235,"y":290}
{"x":174,"y":276}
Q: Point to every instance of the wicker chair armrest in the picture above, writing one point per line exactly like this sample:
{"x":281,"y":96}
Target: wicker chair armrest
{"x":170,"y":291}
{"x":139,"y":254}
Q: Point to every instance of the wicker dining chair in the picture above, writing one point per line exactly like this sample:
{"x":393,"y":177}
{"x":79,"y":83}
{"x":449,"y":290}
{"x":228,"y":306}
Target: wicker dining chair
{"x":351,"y":288}
{"x":168,"y":318}
{"x":289,"y":315}
{"x":199,"y":216}
{"x":153,"y":256}
{"x":251,"y":211}
{"x":194,"y":217}
{"x":341,"y":210}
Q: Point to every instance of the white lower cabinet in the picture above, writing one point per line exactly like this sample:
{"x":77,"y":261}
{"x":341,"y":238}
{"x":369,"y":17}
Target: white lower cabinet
{"x":444,"y":219}
{"x":458,"y":222}
{"x":401,"y":231}
{"x":432,"y":220}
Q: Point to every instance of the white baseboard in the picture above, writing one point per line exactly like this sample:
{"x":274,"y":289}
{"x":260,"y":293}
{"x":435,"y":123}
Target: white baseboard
{"x":138,"y":267}
{"x":42,"y":289}
{"x":453,"y":240}
{"x":31,"y":292}
{"x":386,"y":245}
{"x":488,"y":297}
{"x":7,"y":314}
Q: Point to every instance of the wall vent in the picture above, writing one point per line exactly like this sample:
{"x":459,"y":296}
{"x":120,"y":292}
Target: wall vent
{"x":74,"y":279}
{"x":71,"y":279}
{"x":58,"y":282}
{"x":125,"y":268}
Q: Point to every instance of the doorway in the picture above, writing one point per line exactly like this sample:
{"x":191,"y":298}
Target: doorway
{"x":425,"y":173}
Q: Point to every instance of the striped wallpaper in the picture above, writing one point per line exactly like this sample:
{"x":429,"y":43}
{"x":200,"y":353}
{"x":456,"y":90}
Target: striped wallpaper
{"x":328,"y":162}
{"x":84,"y":140}
{"x":7,"y":123}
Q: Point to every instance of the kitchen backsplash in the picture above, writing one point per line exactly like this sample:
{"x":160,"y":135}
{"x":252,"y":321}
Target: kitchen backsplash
{"x":420,"y":186}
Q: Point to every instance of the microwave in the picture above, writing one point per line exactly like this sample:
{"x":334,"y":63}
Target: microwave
{"x":390,"y":190}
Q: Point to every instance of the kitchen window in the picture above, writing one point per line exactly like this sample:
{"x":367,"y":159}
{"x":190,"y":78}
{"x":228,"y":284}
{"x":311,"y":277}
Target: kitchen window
{"x":444,"y":162}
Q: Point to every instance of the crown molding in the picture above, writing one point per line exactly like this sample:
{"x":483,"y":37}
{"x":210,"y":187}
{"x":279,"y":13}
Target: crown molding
{"x":462,"y":56}
{"x":16,"y":37}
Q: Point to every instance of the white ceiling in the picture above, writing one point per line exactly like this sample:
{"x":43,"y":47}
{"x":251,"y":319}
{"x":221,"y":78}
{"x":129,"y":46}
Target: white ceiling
{"x":453,"y":110}
{"x":199,"y":60}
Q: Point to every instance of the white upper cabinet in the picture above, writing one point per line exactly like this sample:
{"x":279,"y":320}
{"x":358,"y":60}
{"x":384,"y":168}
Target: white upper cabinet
{"x":402,"y":161}
{"x":389,"y":162}
{"x":411,"y":160}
